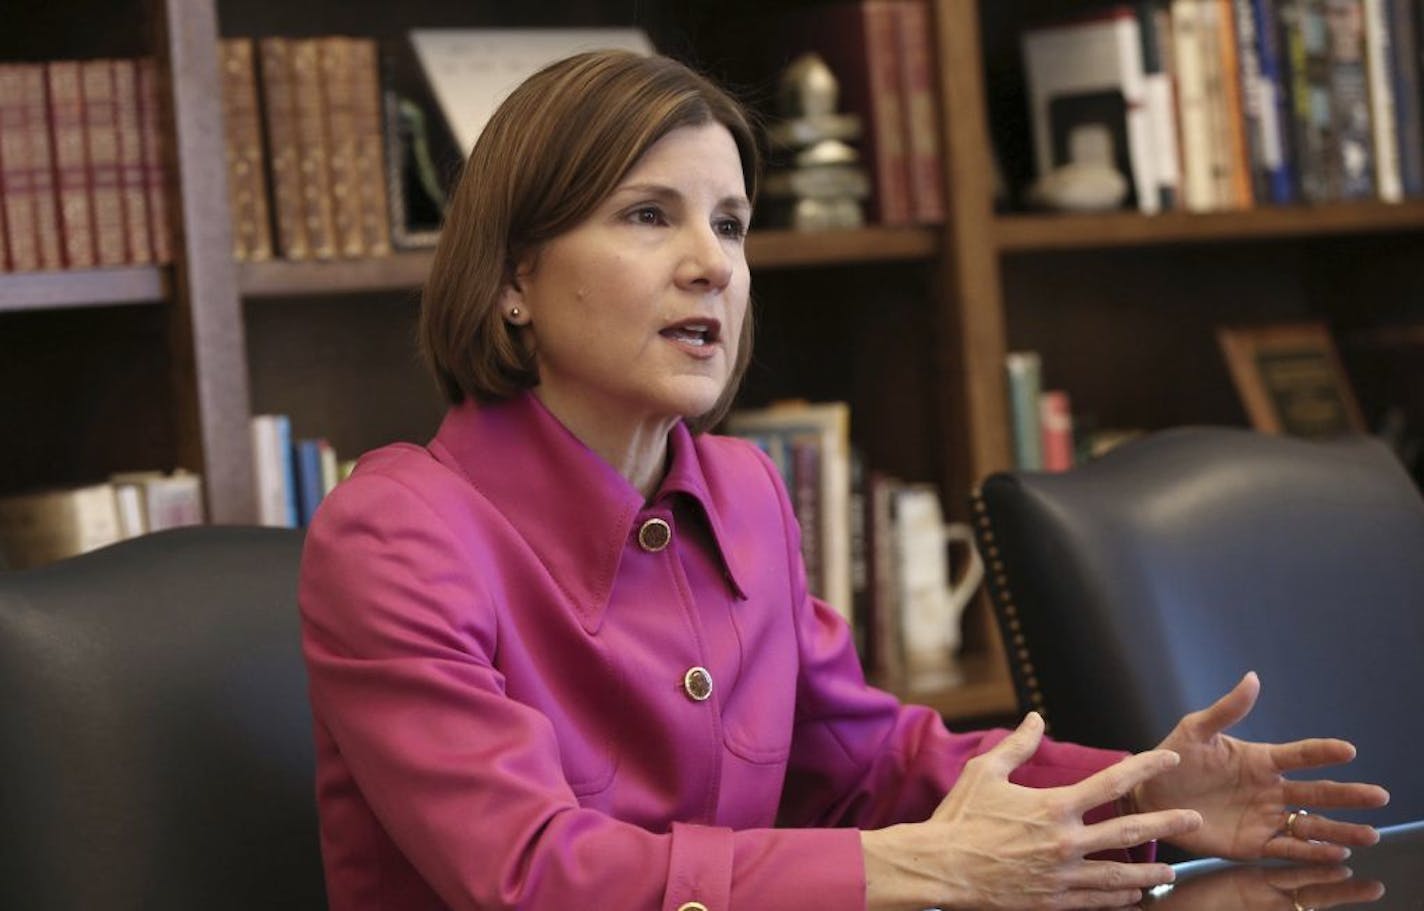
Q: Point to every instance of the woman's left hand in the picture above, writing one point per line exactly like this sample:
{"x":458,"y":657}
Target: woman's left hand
{"x":1242,"y":793}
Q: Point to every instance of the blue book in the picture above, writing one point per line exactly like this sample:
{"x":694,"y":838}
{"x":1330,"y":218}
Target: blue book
{"x":1274,"y":98}
{"x":284,"y":444}
{"x":306,"y":459}
{"x":1404,"y":70}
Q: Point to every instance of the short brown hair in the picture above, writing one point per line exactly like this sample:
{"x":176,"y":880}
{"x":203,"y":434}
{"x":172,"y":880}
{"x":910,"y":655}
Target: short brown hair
{"x":550,"y":154}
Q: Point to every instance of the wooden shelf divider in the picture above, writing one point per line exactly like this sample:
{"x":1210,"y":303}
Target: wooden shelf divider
{"x":1048,"y":232}
{"x":84,"y":288}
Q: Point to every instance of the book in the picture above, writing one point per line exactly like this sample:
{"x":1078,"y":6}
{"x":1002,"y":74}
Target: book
{"x":273,"y":470}
{"x":1230,"y":139}
{"x":128,"y":132}
{"x":1354,"y":155}
{"x":918,"y":90}
{"x":35,"y":99}
{"x":71,"y":163}
{"x":1154,"y":22}
{"x":1306,"y":40}
{"x":19,"y":232}
{"x":1384,"y":115}
{"x":156,"y":184}
{"x":1272,"y":91}
{"x":1025,"y":384}
{"x":49,"y":525}
{"x":1194,"y":118}
{"x":307,"y":472}
{"x":101,"y":143}
{"x":1087,"y":88}
{"x":370,"y":166}
{"x":283,"y":154}
{"x":1056,"y":429}
{"x":860,"y":42}
{"x":1405,"y":71}
{"x":313,"y":148}
{"x":165,"y":500}
{"x":339,"y":109}
{"x":828,"y":424}
{"x":242,"y":148}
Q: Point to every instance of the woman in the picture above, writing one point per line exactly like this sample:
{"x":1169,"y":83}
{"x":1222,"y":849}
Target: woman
{"x":564,"y":655}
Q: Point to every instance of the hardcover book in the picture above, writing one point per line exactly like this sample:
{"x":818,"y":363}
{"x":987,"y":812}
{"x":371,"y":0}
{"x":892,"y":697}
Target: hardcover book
{"x":71,"y":163}
{"x":101,"y":138}
{"x":129,"y":135}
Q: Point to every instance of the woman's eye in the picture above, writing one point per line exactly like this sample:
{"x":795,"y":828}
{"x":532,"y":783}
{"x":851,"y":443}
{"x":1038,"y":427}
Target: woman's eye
{"x":647,"y":215}
{"x":731,"y":227}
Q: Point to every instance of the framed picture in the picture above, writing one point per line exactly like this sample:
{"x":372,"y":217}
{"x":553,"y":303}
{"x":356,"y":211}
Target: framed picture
{"x":1290,"y":380}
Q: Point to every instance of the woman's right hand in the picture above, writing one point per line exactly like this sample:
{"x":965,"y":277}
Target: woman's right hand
{"x":994,"y":844}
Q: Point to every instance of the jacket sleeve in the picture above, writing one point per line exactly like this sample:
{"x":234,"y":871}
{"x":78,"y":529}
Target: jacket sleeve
{"x":861,"y":758}
{"x":400,"y":629}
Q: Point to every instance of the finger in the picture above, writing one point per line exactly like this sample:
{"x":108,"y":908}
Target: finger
{"x":1289,"y":879}
{"x":1109,"y":784}
{"x":1313,"y":753}
{"x":1089,"y":898}
{"x":1353,"y":795}
{"x":1110,"y":876}
{"x":1229,"y":709}
{"x":1137,"y":829}
{"x":1017,"y":748}
{"x":1283,"y":847}
{"x":1310,"y":827}
{"x":1353,"y":892}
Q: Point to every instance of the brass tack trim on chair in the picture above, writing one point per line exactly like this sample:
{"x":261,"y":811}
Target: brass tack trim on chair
{"x":1002,"y":597}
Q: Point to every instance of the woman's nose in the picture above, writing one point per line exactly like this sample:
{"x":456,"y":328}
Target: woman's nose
{"x":706,"y":259}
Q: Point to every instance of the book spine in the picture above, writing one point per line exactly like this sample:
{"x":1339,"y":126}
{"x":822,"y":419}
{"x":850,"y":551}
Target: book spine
{"x":1025,"y":385}
{"x":1194,"y":117}
{"x":917,"y":69}
{"x":242,"y":146}
{"x":887,"y":114}
{"x":1233,"y":113}
{"x":1160,"y":94}
{"x":307,"y":456}
{"x":371,"y":177}
{"x":1379,"y":53}
{"x":71,"y":163}
{"x":1141,"y":134}
{"x":1253,"y":99}
{"x":156,"y":186}
{"x":1056,"y":428}
{"x":806,"y":501}
{"x":338,"y":108}
{"x":35,"y":98}
{"x":102,"y":142}
{"x":314,"y":163}
{"x":279,"y":108}
{"x":1405,"y":69}
{"x":1354,"y":152}
{"x":1307,"y":48}
{"x":19,"y":248}
{"x":131,"y":179}
{"x":1274,"y":91}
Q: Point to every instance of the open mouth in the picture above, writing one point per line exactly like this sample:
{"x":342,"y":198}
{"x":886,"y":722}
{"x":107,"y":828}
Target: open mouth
{"x":695,"y":333}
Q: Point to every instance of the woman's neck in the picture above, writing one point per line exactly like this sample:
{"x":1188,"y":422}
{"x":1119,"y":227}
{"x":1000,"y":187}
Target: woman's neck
{"x":636,"y":447}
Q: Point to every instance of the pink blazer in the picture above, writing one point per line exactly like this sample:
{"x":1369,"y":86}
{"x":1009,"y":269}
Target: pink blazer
{"x":499,"y":653}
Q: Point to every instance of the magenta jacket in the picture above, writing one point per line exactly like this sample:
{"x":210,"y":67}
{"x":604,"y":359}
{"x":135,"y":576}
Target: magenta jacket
{"x":499,"y":654}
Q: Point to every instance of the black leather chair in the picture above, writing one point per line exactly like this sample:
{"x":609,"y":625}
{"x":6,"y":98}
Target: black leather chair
{"x":1142,"y":585}
{"x":155,"y":739}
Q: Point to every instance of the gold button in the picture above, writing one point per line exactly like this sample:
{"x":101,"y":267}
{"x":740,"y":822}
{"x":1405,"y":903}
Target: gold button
{"x":654,"y":535}
{"x":697,"y":683}
{"x":692,"y":906}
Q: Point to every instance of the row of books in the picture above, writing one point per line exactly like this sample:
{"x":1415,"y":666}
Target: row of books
{"x":1042,"y":419}
{"x":312,"y":123}
{"x":292,"y":476}
{"x":48,"y":525}
{"x":882,"y":54}
{"x":82,"y":175}
{"x":873,"y":545}
{"x":1228,"y":104}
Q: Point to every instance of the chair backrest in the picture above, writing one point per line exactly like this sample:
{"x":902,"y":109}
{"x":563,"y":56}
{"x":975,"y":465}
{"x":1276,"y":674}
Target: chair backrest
{"x":1140,"y":586}
{"x":155,"y":737}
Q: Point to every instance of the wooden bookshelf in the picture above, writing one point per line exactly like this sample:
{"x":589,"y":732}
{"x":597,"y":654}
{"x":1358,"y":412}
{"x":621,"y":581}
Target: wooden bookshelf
{"x":984,"y":693}
{"x":84,"y":288}
{"x":770,"y":249}
{"x":1043,"y":233}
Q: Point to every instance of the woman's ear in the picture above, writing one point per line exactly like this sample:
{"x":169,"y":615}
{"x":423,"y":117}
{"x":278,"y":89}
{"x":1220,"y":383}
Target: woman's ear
{"x":511,"y":304}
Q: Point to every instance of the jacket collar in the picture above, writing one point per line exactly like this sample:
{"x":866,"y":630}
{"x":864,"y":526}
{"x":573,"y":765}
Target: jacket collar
{"x":570,"y":506}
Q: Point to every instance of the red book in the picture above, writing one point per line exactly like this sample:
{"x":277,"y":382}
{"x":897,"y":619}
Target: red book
{"x":101,"y":138}
{"x":132,"y":189}
{"x":35,"y":96}
{"x":1056,"y":425}
{"x":18,"y":248}
{"x":155,"y":160}
{"x":918,"y":89}
{"x":71,"y":163}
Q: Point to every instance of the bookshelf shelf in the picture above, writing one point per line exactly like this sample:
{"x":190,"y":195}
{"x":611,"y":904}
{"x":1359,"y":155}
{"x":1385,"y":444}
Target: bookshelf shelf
{"x":985,"y":692}
{"x":407,"y":270}
{"x":84,"y":288}
{"x":1041,"y":233}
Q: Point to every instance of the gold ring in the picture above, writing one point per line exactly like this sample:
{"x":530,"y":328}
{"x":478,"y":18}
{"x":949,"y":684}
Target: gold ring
{"x":1291,"y":821}
{"x":1296,"y":902}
